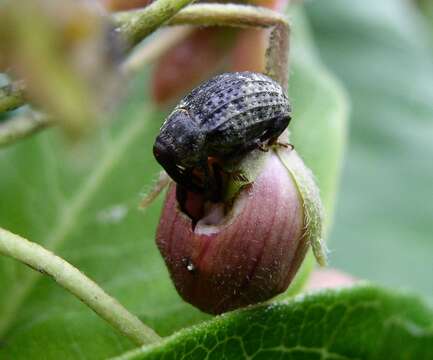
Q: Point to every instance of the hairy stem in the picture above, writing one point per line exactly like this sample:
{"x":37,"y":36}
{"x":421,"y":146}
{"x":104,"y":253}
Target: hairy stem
{"x":12,"y":96}
{"x":136,"y":25}
{"x":246,"y":16}
{"x":78,"y":284}
{"x":21,"y":126}
{"x":236,"y":16}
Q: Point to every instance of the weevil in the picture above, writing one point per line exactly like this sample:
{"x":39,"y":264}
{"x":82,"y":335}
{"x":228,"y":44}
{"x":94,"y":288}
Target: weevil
{"x":222,"y":119}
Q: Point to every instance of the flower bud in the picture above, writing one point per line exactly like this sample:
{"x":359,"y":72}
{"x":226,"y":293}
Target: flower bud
{"x":225,"y":256}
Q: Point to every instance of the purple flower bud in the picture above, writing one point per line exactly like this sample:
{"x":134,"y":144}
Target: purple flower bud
{"x":224,"y":257}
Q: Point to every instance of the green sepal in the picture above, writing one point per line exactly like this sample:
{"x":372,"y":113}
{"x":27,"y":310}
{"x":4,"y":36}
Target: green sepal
{"x":313,"y":208}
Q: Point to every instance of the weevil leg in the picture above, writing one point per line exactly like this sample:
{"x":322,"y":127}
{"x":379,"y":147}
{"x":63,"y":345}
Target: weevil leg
{"x":239,"y":176}
{"x":162,"y":182}
{"x":262,"y":146}
{"x":266,"y":147}
{"x":233,"y":173}
{"x":285,"y":145}
{"x":208,"y":182}
{"x":276,"y":142}
{"x":218,"y":176}
{"x":213,"y":178}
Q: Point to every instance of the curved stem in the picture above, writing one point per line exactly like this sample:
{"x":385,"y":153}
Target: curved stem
{"x":235,"y":16}
{"x":136,"y":25}
{"x":246,"y":16}
{"x":12,"y":96}
{"x":21,"y":126}
{"x":78,"y":284}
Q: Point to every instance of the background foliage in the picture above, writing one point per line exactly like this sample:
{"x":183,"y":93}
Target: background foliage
{"x":381,"y":52}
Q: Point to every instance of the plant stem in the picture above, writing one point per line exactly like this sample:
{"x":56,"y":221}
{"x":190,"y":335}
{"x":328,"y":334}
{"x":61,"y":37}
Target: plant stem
{"x":246,"y":16}
{"x":136,"y":25}
{"x":23,"y":125}
{"x":78,"y":284}
{"x":235,"y":16}
{"x":12,"y":96}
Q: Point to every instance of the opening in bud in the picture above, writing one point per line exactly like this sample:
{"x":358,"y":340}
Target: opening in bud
{"x":222,"y":256}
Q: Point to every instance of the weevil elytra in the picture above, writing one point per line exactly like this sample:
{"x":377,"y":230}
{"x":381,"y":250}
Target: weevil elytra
{"x":222,"y":119}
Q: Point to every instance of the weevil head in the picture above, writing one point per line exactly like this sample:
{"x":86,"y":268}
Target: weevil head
{"x":179,"y":145}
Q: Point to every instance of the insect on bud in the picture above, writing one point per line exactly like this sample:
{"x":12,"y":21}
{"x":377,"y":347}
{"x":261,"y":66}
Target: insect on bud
{"x":225,"y":256}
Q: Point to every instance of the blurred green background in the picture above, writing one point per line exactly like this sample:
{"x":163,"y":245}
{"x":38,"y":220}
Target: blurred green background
{"x":381,"y":52}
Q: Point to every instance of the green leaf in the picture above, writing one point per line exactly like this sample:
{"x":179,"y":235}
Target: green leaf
{"x":357,"y":323}
{"x":82,"y":204}
{"x":380,"y":50}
